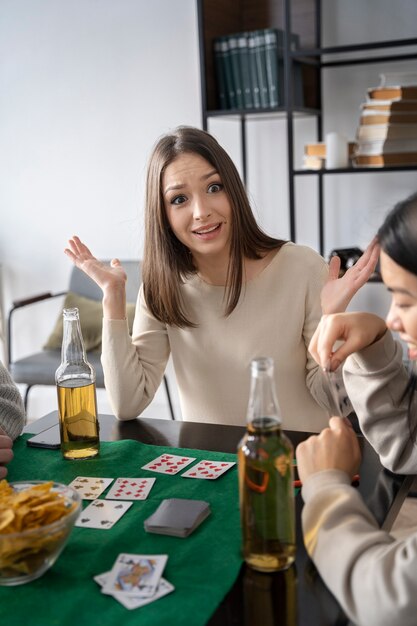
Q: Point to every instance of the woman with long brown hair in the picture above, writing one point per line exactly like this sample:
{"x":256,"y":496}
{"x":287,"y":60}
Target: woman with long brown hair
{"x":217,"y":292}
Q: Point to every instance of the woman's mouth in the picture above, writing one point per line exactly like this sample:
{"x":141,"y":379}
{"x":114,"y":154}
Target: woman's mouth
{"x":208,"y":232}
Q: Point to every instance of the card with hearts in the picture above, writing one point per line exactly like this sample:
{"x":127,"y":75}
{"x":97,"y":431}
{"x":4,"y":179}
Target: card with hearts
{"x":208,"y":470}
{"x":130,"y":489}
{"x":89,"y":487}
{"x":102,"y":514}
{"x":168,"y":463}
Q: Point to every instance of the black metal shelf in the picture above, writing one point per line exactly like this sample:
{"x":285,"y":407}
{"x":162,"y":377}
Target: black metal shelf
{"x":321,"y":58}
{"x":356,"y":170}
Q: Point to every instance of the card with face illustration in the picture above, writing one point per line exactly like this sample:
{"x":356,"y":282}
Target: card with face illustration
{"x":209,"y":470}
{"x":135,"y":575}
{"x":89,"y":487}
{"x":130,"y":489}
{"x":168,"y":463}
{"x":102,"y":514}
{"x":133,"y":602}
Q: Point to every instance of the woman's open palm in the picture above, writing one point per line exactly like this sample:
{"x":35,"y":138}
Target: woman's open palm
{"x":106,"y":276}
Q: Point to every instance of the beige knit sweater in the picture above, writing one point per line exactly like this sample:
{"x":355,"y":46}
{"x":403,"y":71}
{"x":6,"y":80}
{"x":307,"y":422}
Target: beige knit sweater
{"x":276,"y":316}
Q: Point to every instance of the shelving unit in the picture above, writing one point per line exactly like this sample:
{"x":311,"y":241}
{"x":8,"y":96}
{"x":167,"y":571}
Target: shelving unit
{"x":217,"y":18}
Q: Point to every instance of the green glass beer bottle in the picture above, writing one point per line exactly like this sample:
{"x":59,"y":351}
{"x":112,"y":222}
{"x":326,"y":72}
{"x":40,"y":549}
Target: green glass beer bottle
{"x":266,"y":491}
{"x":77,"y":404}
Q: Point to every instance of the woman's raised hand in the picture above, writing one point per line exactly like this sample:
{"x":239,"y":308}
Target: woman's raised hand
{"x":338,"y":292}
{"x":354,"y":330}
{"x":110,"y":278}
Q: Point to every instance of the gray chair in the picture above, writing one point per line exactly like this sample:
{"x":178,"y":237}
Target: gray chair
{"x":39,"y":368}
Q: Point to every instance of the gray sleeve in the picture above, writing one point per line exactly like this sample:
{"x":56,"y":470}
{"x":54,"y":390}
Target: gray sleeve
{"x":375,"y":379}
{"x":372,"y":575}
{"x":12,"y":412}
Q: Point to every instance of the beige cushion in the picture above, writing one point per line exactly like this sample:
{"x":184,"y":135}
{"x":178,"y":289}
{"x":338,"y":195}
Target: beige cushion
{"x":91,"y":319}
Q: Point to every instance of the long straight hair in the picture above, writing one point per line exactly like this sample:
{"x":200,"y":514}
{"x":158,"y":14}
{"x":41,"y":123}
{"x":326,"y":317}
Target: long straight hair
{"x":398,"y":239}
{"x":167,"y":262}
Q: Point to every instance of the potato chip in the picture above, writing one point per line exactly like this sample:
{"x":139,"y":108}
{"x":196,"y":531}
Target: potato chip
{"x":31,"y":509}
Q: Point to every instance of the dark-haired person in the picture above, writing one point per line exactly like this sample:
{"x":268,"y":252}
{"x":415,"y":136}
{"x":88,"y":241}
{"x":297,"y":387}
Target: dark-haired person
{"x":12,"y":417}
{"x":373,"y":575}
{"x":217,"y":292}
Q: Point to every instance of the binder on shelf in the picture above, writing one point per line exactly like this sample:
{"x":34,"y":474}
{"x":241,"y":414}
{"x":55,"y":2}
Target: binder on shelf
{"x":260,"y":59}
{"x":228,"y":73}
{"x":243,"y":54}
{"x":219,"y":64}
{"x":271,"y":64}
{"x":235,"y":65}
{"x":256,"y":97}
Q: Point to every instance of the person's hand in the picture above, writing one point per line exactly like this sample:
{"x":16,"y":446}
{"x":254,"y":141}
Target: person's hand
{"x":110,"y":278}
{"x":335,"y":447}
{"x":6,"y":453}
{"x":106,"y":276}
{"x":355,"y":330}
{"x":338,"y":292}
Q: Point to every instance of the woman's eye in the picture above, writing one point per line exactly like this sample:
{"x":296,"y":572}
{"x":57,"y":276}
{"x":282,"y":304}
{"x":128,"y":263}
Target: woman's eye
{"x":178,"y":200}
{"x":215,"y":188}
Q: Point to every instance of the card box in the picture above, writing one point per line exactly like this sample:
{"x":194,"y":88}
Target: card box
{"x":177,"y":517}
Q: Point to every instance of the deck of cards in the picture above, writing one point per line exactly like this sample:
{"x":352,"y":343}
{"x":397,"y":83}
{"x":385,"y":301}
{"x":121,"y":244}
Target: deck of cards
{"x":177,"y":517}
{"x":136,"y":579}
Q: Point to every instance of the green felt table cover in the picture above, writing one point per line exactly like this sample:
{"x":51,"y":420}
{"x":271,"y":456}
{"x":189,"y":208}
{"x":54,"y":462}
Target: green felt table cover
{"x":202,"y":567}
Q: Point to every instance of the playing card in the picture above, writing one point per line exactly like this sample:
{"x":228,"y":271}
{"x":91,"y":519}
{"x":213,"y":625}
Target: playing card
{"x":208,"y":469}
{"x":130,"y":489}
{"x":135,"y":575}
{"x":89,"y":487}
{"x":168,"y":463}
{"x":132,"y":602}
{"x":102,"y":514}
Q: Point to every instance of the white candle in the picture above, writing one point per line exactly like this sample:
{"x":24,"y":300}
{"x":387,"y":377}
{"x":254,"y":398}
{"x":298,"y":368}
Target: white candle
{"x":336,"y":151}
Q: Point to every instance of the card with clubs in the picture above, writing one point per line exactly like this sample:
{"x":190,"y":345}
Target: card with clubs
{"x":102,"y":514}
{"x":132,"y":602}
{"x":89,"y":487}
{"x":168,"y":463}
{"x":135,"y":575}
{"x":209,"y":470}
{"x":130,"y":489}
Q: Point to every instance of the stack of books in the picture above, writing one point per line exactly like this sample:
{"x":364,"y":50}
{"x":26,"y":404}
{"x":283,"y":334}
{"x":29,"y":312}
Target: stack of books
{"x":314,"y":157}
{"x":387,"y":133}
{"x":250,"y":72}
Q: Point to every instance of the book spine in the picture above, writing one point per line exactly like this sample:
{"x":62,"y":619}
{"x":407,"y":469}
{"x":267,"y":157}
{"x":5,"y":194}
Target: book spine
{"x":222,"y":99}
{"x":230,"y":86}
{"x":271,"y":64}
{"x":235,"y":64}
{"x":256,"y":97}
{"x":261,"y":68}
{"x":243,"y":53}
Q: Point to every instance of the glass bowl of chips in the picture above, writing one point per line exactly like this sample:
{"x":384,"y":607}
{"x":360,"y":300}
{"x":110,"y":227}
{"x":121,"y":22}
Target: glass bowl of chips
{"x":36,"y":519}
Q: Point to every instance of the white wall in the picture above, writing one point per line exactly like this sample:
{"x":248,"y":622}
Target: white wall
{"x":87,"y":86}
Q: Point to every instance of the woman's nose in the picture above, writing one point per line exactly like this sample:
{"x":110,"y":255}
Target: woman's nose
{"x":200,"y":211}
{"x":393,"y":320}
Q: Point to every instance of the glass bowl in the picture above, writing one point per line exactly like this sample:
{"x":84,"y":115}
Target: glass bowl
{"x":26,"y":555}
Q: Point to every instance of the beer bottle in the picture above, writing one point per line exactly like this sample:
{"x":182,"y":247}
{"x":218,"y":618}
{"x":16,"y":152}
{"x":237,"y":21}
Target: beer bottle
{"x":77,"y":404}
{"x":266,"y":491}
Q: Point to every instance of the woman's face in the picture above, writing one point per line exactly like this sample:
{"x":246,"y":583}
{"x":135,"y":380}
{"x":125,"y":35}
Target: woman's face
{"x":197,"y":207}
{"x":402,"y":316}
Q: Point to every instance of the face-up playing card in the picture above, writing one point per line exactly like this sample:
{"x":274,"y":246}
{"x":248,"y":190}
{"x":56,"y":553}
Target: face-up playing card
{"x":102,"y":514}
{"x":135,"y":575}
{"x":168,"y":463}
{"x":89,"y":487}
{"x":130,"y":489}
{"x":132,"y":602}
{"x":209,"y":470}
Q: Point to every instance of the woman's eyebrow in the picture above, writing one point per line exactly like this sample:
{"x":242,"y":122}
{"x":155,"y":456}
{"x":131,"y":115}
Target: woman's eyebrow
{"x":401,"y":290}
{"x":182,"y":185}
